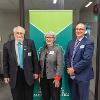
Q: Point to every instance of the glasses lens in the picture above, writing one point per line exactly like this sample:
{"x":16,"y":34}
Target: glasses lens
{"x":19,"y":33}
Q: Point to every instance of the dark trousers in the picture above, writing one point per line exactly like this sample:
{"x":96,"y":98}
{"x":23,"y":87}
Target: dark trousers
{"x":48,"y":89}
{"x":22,"y":90}
{"x":79,"y":89}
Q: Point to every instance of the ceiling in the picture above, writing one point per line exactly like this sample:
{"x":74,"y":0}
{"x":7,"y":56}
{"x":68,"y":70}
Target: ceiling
{"x":13,"y":5}
{"x":48,"y":4}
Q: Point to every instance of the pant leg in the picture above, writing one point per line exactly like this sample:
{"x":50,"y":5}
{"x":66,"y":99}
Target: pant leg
{"x":22,"y":90}
{"x":13,"y":94}
{"x":18,"y":91}
{"x":16,"y":95}
{"x":55,"y":92}
{"x":28,"y":93}
{"x":74,"y":89}
{"x":84,"y":90}
{"x":19,"y":88}
{"x":45,"y":89}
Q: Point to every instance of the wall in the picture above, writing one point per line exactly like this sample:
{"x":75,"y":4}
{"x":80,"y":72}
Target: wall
{"x":8,"y":20}
{"x":76,"y":14}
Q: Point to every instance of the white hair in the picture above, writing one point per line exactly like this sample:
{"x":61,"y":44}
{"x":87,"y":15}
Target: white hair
{"x":50,"y":33}
{"x":19,"y":27}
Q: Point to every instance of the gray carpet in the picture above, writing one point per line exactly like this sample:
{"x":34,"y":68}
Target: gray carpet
{"x":5,"y":93}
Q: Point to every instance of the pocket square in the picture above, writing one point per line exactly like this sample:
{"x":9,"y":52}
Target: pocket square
{"x":82,"y":46}
{"x":29,"y":54}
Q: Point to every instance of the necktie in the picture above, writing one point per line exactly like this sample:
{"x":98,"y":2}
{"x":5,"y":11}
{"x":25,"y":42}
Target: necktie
{"x":75,"y":47}
{"x":20,"y":53}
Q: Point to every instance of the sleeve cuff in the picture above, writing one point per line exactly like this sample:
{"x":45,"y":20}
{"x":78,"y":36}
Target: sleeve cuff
{"x":57,"y":77}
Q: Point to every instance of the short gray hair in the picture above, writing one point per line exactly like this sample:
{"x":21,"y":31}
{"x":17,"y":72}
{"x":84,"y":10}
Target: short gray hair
{"x":50,"y":33}
{"x":19,"y":27}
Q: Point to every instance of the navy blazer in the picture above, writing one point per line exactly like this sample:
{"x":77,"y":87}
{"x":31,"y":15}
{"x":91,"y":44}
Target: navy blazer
{"x":82,"y":60}
{"x":30,"y":61}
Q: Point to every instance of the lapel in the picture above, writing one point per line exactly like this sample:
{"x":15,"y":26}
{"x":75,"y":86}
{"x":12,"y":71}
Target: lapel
{"x":25,"y":48}
{"x":14,"y":51}
{"x":81,"y":43}
{"x":72,"y":47}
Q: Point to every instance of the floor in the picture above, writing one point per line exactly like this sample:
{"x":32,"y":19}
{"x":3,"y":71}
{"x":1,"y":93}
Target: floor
{"x":5,"y":93}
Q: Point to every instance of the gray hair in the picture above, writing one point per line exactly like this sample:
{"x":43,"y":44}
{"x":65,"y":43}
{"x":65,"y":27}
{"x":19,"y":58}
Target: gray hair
{"x":19,"y":27}
{"x":50,"y":33}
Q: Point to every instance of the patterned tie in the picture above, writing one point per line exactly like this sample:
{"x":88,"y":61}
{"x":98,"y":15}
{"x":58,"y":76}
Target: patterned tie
{"x":75,"y":47}
{"x":20,"y":53}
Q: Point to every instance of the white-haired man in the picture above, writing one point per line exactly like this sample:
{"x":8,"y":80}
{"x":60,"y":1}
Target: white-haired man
{"x":20,"y":65}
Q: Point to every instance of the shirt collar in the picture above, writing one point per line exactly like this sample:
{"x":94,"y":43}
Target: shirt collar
{"x":16,"y":42}
{"x":80,"y":38}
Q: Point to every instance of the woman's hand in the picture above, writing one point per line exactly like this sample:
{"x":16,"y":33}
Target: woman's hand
{"x":57,"y":83}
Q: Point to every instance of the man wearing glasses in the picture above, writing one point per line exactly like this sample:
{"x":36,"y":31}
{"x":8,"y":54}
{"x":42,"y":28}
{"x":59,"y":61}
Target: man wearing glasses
{"x":78,"y":60}
{"x":20,"y":65}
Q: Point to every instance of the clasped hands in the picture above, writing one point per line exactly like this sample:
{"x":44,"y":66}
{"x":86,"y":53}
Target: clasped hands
{"x":36,"y":76}
{"x":70,"y":71}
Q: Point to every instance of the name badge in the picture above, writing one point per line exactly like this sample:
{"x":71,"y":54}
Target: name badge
{"x":51,"y":52}
{"x":29,"y":54}
{"x":82,"y":46}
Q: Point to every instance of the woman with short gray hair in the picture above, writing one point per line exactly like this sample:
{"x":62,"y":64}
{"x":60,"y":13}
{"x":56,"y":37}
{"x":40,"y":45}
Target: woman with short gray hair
{"x":51,"y":62}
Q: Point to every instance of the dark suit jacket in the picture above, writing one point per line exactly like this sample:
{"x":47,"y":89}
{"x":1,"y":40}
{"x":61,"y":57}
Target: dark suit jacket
{"x":82,"y":61}
{"x":30,"y":61}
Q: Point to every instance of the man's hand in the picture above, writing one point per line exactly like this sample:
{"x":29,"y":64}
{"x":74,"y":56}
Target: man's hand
{"x":6,"y":80}
{"x":57,"y":83}
{"x":70,"y":71}
{"x":36,"y":76}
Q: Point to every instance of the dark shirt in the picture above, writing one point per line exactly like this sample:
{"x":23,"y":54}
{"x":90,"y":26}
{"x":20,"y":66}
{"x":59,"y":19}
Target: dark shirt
{"x":44,"y":71}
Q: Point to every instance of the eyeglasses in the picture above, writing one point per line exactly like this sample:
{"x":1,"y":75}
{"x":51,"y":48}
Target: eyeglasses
{"x":19,"y":33}
{"x":79,"y":29}
{"x":50,"y":37}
